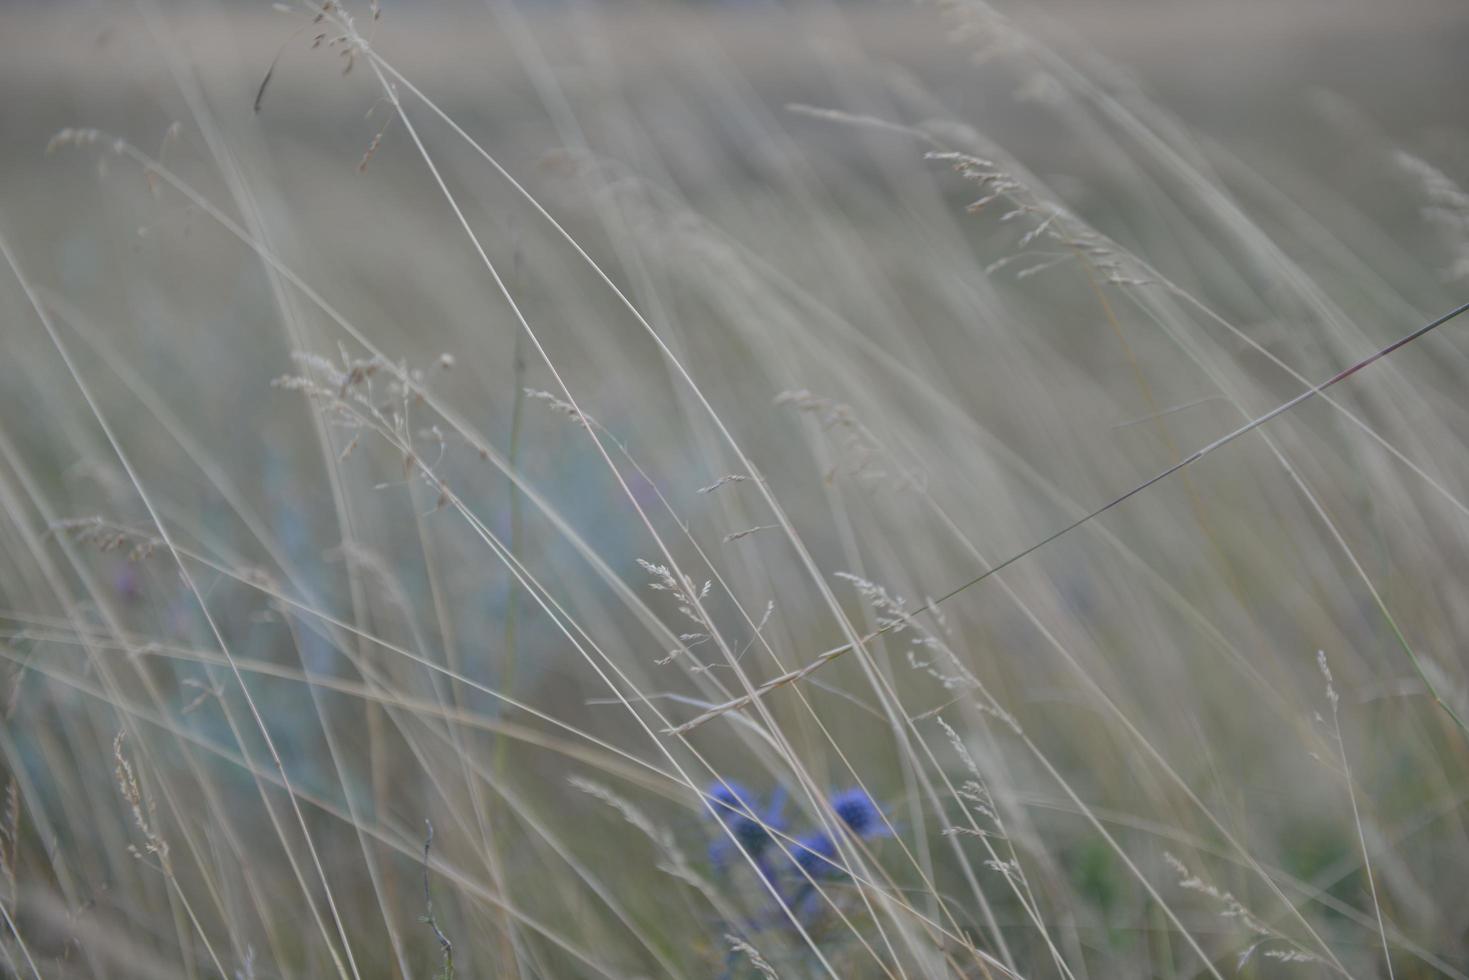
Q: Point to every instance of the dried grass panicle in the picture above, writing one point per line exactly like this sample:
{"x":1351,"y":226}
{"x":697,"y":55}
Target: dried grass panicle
{"x":688,"y":599}
{"x":560,"y":406}
{"x":1286,"y":949}
{"x":757,"y":962}
{"x":728,"y":478}
{"x":143,"y":808}
{"x":107,"y":536}
{"x":861,"y":453}
{"x":671,"y":857}
{"x":746,"y":532}
{"x":685,"y":592}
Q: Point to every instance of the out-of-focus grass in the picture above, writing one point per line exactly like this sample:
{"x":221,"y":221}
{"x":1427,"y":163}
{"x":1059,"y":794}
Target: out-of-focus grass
{"x":1116,"y":758}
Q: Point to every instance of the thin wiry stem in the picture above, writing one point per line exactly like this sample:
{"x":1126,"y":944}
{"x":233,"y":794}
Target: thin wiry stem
{"x":1334,"y":700}
{"x":10,"y":923}
{"x":428,"y":909}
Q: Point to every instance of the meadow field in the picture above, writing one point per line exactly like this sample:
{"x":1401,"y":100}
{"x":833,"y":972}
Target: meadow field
{"x":494,"y":489}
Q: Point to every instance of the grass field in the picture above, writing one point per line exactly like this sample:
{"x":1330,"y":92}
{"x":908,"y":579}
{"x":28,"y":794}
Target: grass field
{"x":561,"y":490}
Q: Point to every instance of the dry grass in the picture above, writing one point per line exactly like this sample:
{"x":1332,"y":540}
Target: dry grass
{"x":489,"y":492}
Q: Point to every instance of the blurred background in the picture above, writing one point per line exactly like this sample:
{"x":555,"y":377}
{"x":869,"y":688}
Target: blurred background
{"x":936,"y":279}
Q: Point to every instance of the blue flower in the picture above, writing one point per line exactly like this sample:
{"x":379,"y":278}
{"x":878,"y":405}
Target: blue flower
{"x":739,"y":810}
{"x":816,"y":854}
{"x":861,"y":815}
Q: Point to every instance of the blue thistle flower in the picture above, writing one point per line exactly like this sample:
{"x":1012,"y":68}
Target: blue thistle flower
{"x":733,"y":806}
{"x":816,"y":854}
{"x":858,"y":811}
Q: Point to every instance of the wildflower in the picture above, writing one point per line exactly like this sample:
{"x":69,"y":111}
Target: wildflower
{"x":858,"y":811}
{"x":739,"y":810}
{"x":815,"y":858}
{"x":816,"y":854}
